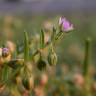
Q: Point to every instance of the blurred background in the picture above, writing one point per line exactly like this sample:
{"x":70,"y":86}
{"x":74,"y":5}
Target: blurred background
{"x":31,"y":15}
{"x":17,"y":15}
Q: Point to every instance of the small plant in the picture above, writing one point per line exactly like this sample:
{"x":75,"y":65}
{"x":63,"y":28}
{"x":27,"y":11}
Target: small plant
{"x":16,"y":73}
{"x":13,"y":68}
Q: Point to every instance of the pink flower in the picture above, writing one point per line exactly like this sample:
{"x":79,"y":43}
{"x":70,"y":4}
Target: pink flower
{"x":65,"y":24}
{"x":5,"y":52}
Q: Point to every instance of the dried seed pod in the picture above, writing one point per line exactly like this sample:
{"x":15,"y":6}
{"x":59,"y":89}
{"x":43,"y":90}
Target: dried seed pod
{"x":52,"y":58}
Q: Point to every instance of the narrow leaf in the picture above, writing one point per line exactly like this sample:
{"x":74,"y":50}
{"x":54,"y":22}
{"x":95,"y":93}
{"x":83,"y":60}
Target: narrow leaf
{"x":42,"y":39}
{"x":53,"y":34}
{"x":87,"y":86}
{"x":26,"y":46}
{"x":87,"y":56}
{"x":5,"y":74}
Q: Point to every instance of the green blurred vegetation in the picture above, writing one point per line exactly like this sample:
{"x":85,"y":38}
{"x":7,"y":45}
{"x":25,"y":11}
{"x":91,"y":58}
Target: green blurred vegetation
{"x":13,"y":26}
{"x":70,"y":49}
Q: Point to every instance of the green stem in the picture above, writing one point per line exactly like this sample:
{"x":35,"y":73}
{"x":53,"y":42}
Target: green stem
{"x":87,"y":57}
{"x":86,"y":68}
{"x":26,"y":47}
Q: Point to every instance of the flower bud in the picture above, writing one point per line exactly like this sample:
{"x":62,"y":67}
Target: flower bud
{"x":52,"y":58}
{"x":5,"y":52}
{"x":65,"y":25}
{"x":6,"y":55}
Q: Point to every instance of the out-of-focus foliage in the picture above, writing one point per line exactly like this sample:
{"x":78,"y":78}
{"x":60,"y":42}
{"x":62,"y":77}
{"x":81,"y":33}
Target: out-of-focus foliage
{"x":66,"y":77}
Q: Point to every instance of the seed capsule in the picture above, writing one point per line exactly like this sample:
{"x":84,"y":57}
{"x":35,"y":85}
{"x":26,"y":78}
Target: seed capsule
{"x":52,"y":58}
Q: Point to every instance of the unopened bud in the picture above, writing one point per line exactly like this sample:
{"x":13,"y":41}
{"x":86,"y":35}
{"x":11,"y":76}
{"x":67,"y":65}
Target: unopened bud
{"x":5,"y":52}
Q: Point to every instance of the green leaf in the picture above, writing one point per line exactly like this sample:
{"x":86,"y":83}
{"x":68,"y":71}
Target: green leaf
{"x":53,"y":34}
{"x":5,"y":74}
{"x":59,"y":36}
{"x":87,"y":56}
{"x":42,"y":39}
{"x":87,"y":77}
{"x":26,"y":46}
